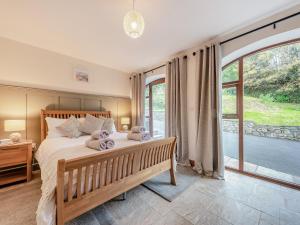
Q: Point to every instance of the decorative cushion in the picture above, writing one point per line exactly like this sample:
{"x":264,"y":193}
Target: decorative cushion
{"x":91,"y":124}
{"x":108,"y":125}
{"x":70,"y":128}
{"x":52,"y":124}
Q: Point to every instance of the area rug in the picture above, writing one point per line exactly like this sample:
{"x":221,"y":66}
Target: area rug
{"x":161,"y":185}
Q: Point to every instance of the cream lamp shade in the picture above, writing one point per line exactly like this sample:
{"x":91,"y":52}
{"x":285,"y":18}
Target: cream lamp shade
{"x":134,"y":24}
{"x":13,"y":126}
{"x":125,"y":120}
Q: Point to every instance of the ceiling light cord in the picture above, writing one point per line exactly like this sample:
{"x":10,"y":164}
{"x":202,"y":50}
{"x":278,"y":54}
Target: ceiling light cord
{"x":133,"y":4}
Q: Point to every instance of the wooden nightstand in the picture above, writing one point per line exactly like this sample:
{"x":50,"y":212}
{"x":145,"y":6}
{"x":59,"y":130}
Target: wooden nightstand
{"x":15,"y":162}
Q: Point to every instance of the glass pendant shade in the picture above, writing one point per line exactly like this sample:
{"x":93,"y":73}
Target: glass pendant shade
{"x":133,"y":24}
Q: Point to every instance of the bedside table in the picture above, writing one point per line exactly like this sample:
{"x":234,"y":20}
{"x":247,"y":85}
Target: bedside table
{"x":15,"y":162}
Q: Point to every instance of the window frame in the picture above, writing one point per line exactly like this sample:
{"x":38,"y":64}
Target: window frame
{"x":150,"y":113}
{"x":239,"y":84}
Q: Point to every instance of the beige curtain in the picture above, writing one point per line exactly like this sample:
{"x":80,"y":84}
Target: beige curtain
{"x":208,"y":113}
{"x":137,"y":99}
{"x":176,"y":110}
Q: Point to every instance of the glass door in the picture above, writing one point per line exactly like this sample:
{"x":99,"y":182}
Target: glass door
{"x":232,"y":116}
{"x":261,"y":113}
{"x":155,"y":108}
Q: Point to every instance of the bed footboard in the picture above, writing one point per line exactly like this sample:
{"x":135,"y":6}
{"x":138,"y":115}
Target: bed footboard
{"x":105,"y":175}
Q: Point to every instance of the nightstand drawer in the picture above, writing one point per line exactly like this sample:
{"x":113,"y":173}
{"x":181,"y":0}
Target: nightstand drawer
{"x":13,"y":156}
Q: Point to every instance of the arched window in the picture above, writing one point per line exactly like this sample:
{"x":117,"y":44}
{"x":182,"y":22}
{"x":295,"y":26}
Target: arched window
{"x":261,"y":112}
{"x":155,"y":107}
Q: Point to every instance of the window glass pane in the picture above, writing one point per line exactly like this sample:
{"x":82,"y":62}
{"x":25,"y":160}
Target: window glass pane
{"x":147,"y":91}
{"x":158,"y":108}
{"x":231,"y":142}
{"x":147,"y":124}
{"x":272,"y":113}
{"x":231,"y":72}
{"x":147,"y":114}
{"x":229,"y":100}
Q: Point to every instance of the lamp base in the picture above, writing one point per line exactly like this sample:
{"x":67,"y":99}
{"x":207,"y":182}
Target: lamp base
{"x":15,"y":137}
{"x":125,"y":127}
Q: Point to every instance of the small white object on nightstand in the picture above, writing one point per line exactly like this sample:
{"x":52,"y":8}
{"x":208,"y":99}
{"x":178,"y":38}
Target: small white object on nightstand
{"x":125,"y":121}
{"x":13,"y":126}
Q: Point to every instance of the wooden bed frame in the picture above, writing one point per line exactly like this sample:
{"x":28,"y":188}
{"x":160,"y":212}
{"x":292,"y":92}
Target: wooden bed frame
{"x":119,"y":170}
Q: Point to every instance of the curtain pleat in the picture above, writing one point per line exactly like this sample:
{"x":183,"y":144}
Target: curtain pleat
{"x":137,"y":103}
{"x":208,"y":113}
{"x":176,"y":115}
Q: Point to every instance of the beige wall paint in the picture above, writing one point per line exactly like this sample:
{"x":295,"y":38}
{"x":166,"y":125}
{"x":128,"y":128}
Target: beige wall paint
{"x":26,"y":104}
{"x":24,"y":65}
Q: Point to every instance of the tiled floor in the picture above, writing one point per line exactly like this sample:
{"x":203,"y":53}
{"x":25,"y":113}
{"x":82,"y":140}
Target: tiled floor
{"x":239,"y":200}
{"x":250,"y":167}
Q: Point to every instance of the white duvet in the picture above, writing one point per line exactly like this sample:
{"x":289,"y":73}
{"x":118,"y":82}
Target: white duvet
{"x":49,"y":152}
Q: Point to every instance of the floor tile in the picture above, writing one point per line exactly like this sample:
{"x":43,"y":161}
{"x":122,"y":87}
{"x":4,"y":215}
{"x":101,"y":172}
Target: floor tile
{"x":266,"y":219}
{"x":289,"y":218}
{"x":234,"y":211}
{"x":172,"y":218}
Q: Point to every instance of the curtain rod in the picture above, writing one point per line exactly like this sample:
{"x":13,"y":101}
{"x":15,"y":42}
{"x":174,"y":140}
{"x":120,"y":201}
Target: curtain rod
{"x":261,"y":27}
{"x":155,"y":68}
{"x":185,"y":56}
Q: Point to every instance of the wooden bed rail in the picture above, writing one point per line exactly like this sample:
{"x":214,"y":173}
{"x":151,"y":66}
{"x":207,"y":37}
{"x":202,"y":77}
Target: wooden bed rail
{"x":87,"y":182}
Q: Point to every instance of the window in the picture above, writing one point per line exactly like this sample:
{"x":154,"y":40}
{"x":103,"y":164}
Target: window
{"x":155,"y":107}
{"x":261,"y":112}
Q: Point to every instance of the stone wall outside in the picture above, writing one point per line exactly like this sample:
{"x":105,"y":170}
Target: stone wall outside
{"x":282,"y":132}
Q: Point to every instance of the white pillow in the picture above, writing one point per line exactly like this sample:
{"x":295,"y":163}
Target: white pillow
{"x":52,"y":124}
{"x":114,"y":129}
{"x":70,"y":128}
{"x":109,"y":125}
{"x":91,"y":124}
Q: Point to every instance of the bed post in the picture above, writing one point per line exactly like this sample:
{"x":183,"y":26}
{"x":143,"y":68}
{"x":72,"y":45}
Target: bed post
{"x":60,"y":192}
{"x":43,"y":131}
{"x":172,"y":169}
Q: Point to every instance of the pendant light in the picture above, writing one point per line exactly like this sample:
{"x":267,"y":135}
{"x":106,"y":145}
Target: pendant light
{"x":133,"y":23}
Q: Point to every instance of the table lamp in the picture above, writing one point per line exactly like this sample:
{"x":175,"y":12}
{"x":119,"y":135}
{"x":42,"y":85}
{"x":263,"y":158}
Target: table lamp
{"x":14,"y":126}
{"x":125,"y":121}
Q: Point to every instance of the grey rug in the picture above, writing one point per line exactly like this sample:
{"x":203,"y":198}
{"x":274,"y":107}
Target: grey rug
{"x":161,"y":185}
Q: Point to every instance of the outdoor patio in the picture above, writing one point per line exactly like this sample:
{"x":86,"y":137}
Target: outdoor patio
{"x":277,"y":158}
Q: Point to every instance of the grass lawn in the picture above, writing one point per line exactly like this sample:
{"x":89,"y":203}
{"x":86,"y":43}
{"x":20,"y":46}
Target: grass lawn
{"x":265,"y":112}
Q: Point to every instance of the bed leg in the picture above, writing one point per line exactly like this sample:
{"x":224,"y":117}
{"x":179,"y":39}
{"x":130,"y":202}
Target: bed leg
{"x":172,"y":176}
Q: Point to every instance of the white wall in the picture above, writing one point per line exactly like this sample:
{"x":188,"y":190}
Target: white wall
{"x":24,"y":65}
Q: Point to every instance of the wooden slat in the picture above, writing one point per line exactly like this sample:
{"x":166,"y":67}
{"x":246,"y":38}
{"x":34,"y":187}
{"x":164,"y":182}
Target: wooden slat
{"x":147,"y":158}
{"x":120,"y":167}
{"x":129,"y":165}
{"x":124,"y":170}
{"x":87,"y":178}
{"x":108,"y":171}
{"x":114,"y":170}
{"x":102,"y":174}
{"x":142,"y":160}
{"x":70,"y":186}
{"x":99,"y":174}
{"x":94,"y":180}
{"x":78,"y":189}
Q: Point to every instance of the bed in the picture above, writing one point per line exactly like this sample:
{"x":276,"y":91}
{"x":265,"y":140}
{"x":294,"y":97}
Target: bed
{"x":76,"y":179}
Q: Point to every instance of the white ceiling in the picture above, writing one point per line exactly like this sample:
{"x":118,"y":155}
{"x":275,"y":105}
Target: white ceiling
{"x":92,"y":30}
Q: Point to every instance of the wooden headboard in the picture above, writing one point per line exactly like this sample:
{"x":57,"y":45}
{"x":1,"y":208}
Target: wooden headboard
{"x":65,"y":114}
